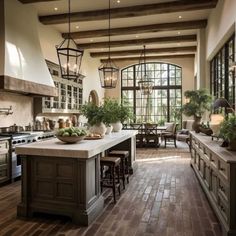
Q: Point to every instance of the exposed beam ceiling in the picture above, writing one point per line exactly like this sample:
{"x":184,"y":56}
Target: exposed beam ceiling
{"x":148,"y":51}
{"x":149,"y":58}
{"x":35,"y":1}
{"x":127,"y":12}
{"x":184,"y":25}
{"x":123,"y":43}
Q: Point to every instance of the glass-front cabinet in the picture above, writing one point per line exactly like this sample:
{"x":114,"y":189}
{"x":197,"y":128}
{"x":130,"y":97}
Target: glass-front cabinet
{"x":70,"y":94}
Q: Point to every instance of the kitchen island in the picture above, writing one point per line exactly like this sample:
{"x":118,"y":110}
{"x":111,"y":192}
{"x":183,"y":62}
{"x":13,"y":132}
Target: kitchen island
{"x":64,"y":179}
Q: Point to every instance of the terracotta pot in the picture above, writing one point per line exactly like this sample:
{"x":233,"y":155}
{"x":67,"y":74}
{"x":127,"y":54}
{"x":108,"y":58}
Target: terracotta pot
{"x":197,"y":124}
{"x":117,"y":127}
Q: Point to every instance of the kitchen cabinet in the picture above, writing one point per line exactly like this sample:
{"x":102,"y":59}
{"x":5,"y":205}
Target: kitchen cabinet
{"x":215,"y":168}
{"x":5,"y":161}
{"x":70,"y":94}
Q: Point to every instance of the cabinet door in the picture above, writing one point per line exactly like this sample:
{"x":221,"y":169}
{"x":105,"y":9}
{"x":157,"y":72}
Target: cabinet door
{"x":214,"y":185}
{"x":55,"y":100}
{"x":75,"y":101}
{"x":63,"y":96}
{"x":69,"y":97}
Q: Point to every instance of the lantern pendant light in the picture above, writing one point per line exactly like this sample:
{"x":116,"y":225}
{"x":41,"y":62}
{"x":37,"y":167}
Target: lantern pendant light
{"x":69,"y":55}
{"x":145,"y":84}
{"x":108,"y":72}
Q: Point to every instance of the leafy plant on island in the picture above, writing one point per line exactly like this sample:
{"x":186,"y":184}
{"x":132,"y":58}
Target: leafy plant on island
{"x":94,"y":113}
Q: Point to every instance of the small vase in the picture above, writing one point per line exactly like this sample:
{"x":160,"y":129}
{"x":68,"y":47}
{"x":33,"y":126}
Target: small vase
{"x":117,"y":127}
{"x":197,"y":124}
{"x":109,"y":129}
{"x":98,"y":129}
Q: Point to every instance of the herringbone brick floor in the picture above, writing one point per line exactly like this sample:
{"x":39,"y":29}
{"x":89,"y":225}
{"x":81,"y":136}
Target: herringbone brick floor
{"x":163,"y":198}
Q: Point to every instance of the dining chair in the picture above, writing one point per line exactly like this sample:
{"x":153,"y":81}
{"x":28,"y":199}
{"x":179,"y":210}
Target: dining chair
{"x":151,"y":135}
{"x":169,"y":135}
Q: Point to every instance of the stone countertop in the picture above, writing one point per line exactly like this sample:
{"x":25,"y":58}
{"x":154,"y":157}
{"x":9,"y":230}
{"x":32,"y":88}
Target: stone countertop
{"x":83,"y":149}
{"x":214,"y":146}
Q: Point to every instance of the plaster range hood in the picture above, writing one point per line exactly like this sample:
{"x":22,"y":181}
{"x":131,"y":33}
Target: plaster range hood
{"x":22,"y":66}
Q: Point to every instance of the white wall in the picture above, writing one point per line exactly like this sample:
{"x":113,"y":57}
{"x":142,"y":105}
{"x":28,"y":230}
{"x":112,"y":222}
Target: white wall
{"x":221,"y":25}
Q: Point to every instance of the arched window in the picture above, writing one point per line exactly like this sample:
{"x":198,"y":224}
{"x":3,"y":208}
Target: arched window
{"x":166,"y":99}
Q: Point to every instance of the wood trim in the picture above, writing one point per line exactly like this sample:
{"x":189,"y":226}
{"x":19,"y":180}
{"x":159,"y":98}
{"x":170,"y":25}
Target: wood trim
{"x":148,"y":51}
{"x":35,"y":1}
{"x":184,"y":25}
{"x":26,"y":87}
{"x":160,"y":40}
{"x":2,"y":37}
{"x":128,"y":12}
{"x":150,"y":58}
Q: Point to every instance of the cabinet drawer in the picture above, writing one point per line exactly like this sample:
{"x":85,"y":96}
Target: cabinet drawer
{"x":223,"y":189}
{"x":4,"y":145}
{"x":214,"y":161}
{"x":223,"y":169}
{"x":4,"y":159}
{"x":4,"y":175}
{"x":223,"y":207}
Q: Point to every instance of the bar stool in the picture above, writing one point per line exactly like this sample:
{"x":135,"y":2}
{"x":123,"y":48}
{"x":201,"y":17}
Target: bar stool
{"x":108,"y":178}
{"x":123,"y":155}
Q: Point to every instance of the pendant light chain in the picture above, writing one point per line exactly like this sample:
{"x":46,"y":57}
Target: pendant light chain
{"x":109,"y":30}
{"x":69,"y":8}
{"x":144,"y":53}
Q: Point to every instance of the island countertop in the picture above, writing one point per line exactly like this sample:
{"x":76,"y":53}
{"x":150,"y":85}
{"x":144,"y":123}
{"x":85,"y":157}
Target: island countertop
{"x":83,"y":149}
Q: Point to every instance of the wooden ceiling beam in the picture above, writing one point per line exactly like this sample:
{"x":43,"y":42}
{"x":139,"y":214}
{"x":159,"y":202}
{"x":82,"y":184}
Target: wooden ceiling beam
{"x":35,"y":1}
{"x":131,"y":11}
{"x":148,"y":51}
{"x":150,"y":58}
{"x":132,"y":42}
{"x":184,"y":25}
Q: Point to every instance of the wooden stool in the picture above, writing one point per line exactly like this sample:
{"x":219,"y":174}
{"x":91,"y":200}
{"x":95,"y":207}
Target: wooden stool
{"x":123,"y":155}
{"x":110,"y":180}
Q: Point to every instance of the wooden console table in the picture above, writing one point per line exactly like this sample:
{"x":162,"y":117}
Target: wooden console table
{"x":215,"y":168}
{"x":64,"y":179}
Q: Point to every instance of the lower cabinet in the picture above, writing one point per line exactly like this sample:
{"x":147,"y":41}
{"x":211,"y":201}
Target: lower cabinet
{"x":215,"y":168}
{"x":5,"y":163}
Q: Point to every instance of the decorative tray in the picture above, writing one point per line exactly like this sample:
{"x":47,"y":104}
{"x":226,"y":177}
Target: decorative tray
{"x":92,"y":138}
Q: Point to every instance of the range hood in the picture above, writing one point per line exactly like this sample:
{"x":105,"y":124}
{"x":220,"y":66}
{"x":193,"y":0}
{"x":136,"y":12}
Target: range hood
{"x":22,"y":66}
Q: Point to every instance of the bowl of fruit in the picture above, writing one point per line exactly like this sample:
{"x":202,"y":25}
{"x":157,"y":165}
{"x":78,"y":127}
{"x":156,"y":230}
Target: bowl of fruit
{"x":71,"y":135}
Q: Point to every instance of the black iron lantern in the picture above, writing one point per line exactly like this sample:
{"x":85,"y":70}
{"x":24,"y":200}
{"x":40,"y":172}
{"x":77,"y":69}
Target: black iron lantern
{"x":109,"y":72}
{"x":145,"y":84}
{"x":69,"y":55}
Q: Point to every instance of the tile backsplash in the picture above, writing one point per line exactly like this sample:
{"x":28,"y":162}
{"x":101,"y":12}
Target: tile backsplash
{"x":22,"y":107}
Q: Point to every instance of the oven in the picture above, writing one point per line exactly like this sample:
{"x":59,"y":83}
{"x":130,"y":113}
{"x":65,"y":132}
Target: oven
{"x":18,"y":139}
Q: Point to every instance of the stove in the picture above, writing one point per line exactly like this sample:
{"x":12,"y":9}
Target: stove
{"x":20,"y":139}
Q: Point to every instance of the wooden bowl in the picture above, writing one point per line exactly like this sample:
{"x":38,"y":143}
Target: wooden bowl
{"x":70,"y":139}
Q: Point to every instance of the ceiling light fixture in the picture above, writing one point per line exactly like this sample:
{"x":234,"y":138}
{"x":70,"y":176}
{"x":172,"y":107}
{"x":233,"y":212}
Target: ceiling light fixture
{"x":69,"y":55}
{"x":178,"y":32}
{"x":108,"y":72}
{"x":180,"y":17}
{"x":55,"y":9}
{"x":145,"y":84}
{"x":118,"y":1}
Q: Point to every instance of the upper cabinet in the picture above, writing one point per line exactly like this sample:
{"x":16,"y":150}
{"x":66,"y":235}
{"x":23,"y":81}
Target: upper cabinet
{"x":70,"y":94}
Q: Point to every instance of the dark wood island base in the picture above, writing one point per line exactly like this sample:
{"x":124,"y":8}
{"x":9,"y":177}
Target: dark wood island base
{"x":63,"y":179}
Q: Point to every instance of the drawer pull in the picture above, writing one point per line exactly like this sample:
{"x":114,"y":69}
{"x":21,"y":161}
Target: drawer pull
{"x":222,"y":188}
{"x":212,"y":160}
{"x":222,"y":169}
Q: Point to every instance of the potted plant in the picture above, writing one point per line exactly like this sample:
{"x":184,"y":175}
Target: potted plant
{"x":228,"y":131}
{"x":95,"y":116}
{"x":199,"y":101}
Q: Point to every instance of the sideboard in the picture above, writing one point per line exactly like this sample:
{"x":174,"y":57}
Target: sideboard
{"x":215,"y":168}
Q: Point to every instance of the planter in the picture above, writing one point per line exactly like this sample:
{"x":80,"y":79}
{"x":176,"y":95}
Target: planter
{"x":109,"y":129}
{"x":117,"y":127}
{"x":98,"y":129}
{"x":197,"y":124}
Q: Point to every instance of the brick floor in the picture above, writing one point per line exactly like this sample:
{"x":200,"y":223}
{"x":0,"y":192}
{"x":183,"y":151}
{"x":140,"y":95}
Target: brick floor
{"x":163,"y":198}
